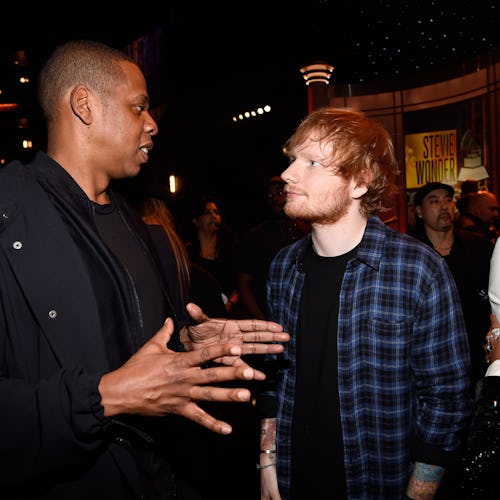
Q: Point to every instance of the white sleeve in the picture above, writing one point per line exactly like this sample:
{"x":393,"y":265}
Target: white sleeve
{"x":493,"y":369}
{"x":494,"y":281}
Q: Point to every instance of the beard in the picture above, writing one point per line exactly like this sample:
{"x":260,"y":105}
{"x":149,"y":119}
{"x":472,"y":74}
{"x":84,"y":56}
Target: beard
{"x":328,"y":208}
{"x":445,"y":222}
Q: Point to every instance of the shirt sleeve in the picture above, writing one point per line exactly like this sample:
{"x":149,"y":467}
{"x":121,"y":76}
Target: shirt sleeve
{"x":493,"y":369}
{"x":494,"y":281}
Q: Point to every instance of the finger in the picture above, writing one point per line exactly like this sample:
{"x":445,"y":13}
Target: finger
{"x":224,"y":373}
{"x":249,"y":348}
{"x":265,"y":336}
{"x":258,"y":325}
{"x":238,"y":362}
{"x":220,"y":394}
{"x":196,"y":313}
{"x":202,"y":418}
{"x":161,"y":338}
{"x":212,"y":352}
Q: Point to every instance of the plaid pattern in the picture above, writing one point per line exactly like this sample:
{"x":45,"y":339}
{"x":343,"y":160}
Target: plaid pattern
{"x":403,"y":359}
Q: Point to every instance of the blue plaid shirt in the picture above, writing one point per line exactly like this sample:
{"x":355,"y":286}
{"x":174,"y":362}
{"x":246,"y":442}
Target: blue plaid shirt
{"x":403,"y":360}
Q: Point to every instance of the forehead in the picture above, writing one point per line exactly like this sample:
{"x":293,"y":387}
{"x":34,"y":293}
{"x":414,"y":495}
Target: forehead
{"x":134,"y":81}
{"x":491,"y":200}
{"x":437,"y":193}
{"x":313,"y":144}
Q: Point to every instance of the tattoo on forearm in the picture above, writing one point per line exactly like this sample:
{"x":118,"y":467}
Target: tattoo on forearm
{"x":424,"y":481}
{"x":268,"y":434}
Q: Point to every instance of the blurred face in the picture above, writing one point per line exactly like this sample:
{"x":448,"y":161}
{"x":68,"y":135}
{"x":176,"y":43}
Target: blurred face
{"x":276,"y":198}
{"x":123,"y":127}
{"x":314,"y":193}
{"x":210,"y":220}
{"x":437,"y":210}
{"x":488,"y":210}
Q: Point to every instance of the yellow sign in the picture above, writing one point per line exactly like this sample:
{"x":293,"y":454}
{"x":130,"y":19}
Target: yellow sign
{"x":431,"y":157}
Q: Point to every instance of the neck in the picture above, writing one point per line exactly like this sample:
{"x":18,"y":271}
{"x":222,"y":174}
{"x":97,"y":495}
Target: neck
{"x":331,"y":240}
{"x":208,"y":245}
{"x":441,"y":241}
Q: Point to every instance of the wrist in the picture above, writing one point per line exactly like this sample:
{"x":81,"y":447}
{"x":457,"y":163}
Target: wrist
{"x":260,"y":467}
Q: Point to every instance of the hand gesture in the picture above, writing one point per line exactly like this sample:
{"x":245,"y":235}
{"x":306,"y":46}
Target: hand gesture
{"x":255,"y":336}
{"x":156,"y":381}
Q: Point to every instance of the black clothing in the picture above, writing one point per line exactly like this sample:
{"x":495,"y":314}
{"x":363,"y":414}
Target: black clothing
{"x":221,"y":268}
{"x":469,"y":262}
{"x":481,"y":227}
{"x":169,"y":267}
{"x":65,"y":299}
{"x":481,"y":461}
{"x":257,"y":248}
{"x":316,"y":431}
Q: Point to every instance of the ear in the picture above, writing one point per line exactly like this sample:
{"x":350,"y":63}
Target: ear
{"x":79,"y":99}
{"x":358,"y":190}
{"x":359,"y":185}
{"x":418,"y":211}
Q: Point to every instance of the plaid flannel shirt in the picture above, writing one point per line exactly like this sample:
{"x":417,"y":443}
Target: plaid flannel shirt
{"x":403,"y":360}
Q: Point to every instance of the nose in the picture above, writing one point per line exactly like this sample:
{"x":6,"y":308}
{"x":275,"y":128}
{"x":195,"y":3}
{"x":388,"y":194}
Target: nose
{"x":287,"y":174}
{"x":150,"y":125}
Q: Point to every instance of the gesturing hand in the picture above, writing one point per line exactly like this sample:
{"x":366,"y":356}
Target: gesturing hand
{"x":156,"y":381}
{"x":253,"y":335}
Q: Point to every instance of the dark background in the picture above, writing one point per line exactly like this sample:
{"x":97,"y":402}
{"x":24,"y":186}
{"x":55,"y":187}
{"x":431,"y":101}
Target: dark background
{"x":213,"y":61}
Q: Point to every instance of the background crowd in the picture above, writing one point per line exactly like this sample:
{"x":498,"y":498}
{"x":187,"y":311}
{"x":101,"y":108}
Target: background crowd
{"x":390,"y":373}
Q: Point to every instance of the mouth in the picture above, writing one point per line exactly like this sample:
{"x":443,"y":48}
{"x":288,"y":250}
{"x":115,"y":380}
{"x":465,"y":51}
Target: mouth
{"x":145,"y":152}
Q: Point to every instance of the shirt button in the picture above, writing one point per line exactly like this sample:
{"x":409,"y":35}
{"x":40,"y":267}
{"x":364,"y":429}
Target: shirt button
{"x":53,"y":314}
{"x":17,"y":245}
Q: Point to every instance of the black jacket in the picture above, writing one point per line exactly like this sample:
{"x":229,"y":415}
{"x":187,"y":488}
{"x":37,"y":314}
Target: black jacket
{"x":55,"y":274}
{"x":482,"y":454}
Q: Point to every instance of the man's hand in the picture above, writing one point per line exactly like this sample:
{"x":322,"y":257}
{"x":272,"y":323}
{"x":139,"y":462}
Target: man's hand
{"x":492,"y":346}
{"x":255,"y":336}
{"x":156,"y":381}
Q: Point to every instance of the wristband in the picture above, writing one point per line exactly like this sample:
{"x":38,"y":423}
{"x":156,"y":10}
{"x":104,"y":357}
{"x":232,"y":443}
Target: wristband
{"x":268,"y":451}
{"x":260,"y":467}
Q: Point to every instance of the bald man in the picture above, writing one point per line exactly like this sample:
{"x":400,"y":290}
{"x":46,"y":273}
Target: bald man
{"x":481,"y":214}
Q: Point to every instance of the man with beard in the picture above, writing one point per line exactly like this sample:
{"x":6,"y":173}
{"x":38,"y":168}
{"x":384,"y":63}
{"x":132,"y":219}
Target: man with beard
{"x":468,"y":256}
{"x":377,"y":386}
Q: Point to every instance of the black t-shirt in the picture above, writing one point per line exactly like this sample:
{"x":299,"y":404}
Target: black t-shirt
{"x":147,"y":282}
{"x":317,"y":446}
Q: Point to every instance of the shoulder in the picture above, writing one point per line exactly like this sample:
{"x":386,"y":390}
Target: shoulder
{"x":468,"y":235}
{"x":19,"y":188}
{"x":475,"y":242}
{"x":383,"y":243}
{"x":292,"y":253}
{"x":12,"y":174}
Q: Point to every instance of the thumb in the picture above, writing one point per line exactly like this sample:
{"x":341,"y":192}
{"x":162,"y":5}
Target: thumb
{"x":196,"y":313}
{"x":162,"y":336}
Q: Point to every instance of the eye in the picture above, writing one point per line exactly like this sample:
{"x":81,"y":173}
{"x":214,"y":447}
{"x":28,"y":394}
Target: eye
{"x":141,"y":108}
{"x":316,"y":163}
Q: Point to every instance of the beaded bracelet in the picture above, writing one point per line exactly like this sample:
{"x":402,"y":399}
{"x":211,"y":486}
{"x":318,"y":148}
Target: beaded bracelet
{"x":260,"y":467}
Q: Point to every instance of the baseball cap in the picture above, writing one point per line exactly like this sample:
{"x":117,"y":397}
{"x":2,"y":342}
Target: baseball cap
{"x":424,"y":190}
